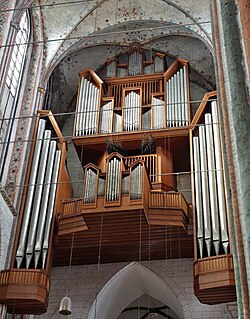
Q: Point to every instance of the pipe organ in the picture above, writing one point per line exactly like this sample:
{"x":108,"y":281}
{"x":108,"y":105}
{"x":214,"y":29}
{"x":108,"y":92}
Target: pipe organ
{"x":134,"y":138}
{"x":131,"y":112}
{"x":209,"y":187}
{"x":117,"y":180}
{"x":113,"y":179}
{"x":177,"y":99}
{"x":211,"y":233}
{"x":46,"y":181}
{"x":136,"y":95}
{"x":39,"y":205}
{"x":91,"y":179}
{"x":136,"y":182}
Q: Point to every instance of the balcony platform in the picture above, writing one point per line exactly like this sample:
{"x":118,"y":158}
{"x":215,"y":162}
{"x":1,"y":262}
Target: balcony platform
{"x":123,"y":231}
{"x":24,"y":291}
{"x":214,"y":279}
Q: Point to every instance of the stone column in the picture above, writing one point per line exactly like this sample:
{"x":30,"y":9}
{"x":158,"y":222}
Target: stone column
{"x":232,"y":82}
{"x":243,"y":13}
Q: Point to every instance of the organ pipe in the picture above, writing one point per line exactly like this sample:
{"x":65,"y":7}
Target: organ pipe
{"x":88,"y":103}
{"x":92,"y":186}
{"x":106,"y":118}
{"x":113,"y":180}
{"x":209,"y":186}
{"x":80,"y":114}
{"x":136,"y":182}
{"x":185,"y":99}
{"x":38,"y":210}
{"x":30,"y":194}
{"x":219,"y":178}
{"x":205,"y":191}
{"x":131,"y":112}
{"x":158,"y":113}
{"x":50,"y":208}
{"x":198,"y":195}
{"x":135,"y":63}
{"x":45,"y":200}
{"x":177,"y":99}
{"x":37,"y":199}
{"x":212,"y":183}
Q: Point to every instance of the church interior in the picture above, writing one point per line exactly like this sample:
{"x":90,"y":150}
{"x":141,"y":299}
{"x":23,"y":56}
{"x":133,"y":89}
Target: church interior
{"x":124,"y":167}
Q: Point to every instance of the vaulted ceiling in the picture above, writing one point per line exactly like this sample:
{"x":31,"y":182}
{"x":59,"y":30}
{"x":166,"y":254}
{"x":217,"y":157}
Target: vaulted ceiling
{"x":82,"y":34}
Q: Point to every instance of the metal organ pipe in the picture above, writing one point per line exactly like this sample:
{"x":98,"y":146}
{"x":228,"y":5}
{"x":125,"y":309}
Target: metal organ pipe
{"x":198,"y":196}
{"x":132,"y":112}
{"x":84,"y":103}
{"x":177,"y":99}
{"x":205,"y":191}
{"x":44,"y":204}
{"x":158,"y":113}
{"x":108,"y":182}
{"x":37,"y":199}
{"x":182,"y":96}
{"x":136,"y":182}
{"x":39,"y":204}
{"x":50,"y":208}
{"x":106,"y":118}
{"x":135,"y":63}
{"x":185,"y":100}
{"x":113,"y":180}
{"x":219,"y":178}
{"x":79,"y":115}
{"x":30,"y":193}
{"x":211,"y":194}
{"x":88,"y":103}
{"x":212,"y":183}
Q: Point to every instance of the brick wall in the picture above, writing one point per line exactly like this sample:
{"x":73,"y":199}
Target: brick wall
{"x":86,"y":282}
{"x":6,"y":220}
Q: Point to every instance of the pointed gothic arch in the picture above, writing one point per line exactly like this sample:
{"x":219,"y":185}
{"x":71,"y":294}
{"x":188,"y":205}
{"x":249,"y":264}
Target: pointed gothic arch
{"x":128,"y":284}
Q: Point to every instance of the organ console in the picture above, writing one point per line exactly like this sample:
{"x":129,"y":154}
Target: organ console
{"x":143,"y":106}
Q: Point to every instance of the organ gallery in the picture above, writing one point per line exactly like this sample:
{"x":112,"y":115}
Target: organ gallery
{"x":137,"y":138}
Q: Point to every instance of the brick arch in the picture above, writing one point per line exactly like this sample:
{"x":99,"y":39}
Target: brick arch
{"x":127,"y":285}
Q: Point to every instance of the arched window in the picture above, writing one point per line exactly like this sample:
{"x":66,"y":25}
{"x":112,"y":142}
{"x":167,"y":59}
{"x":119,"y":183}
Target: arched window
{"x":9,"y":102}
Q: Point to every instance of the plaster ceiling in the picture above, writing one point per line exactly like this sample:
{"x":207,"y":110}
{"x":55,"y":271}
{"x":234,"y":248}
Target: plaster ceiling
{"x":83,"y":23}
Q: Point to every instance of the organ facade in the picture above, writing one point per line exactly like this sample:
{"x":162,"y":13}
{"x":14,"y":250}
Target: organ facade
{"x":138,"y":141}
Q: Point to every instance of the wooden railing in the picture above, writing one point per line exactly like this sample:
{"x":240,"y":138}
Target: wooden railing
{"x":168,"y":199}
{"x":72,"y":206}
{"x":25,"y":276}
{"x":150,"y":163}
{"x":211,"y":264}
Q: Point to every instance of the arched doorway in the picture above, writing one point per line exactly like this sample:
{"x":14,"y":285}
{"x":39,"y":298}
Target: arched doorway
{"x":124,"y":288}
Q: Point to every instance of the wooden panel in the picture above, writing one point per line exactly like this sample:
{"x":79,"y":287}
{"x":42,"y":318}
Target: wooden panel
{"x":159,"y":231}
{"x":24,"y":290}
{"x":214,"y":279}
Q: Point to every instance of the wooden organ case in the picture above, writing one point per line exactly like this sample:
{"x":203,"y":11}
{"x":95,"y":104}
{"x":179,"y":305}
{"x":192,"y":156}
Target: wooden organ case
{"x":134,"y":136}
{"x":24,"y":288}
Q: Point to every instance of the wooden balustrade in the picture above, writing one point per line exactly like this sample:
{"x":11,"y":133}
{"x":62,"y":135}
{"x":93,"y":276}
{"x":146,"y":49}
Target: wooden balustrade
{"x":24,"y":276}
{"x":150,"y":163}
{"x":215,"y":263}
{"x":168,"y":208}
{"x":72,"y":206}
{"x":168,"y":199}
